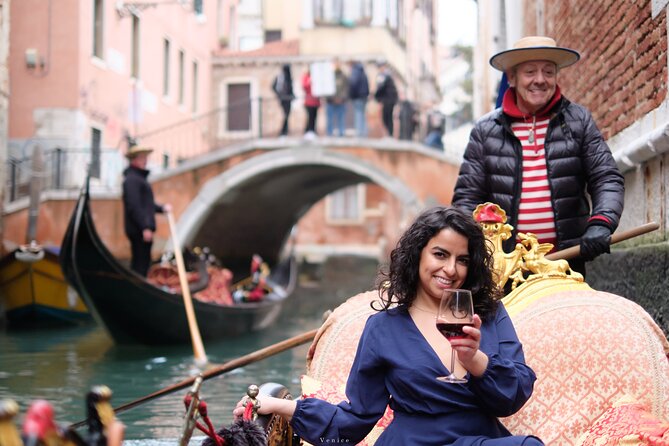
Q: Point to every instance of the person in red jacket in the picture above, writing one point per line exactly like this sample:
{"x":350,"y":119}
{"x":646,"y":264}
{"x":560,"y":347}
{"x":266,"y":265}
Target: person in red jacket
{"x":311,"y":104}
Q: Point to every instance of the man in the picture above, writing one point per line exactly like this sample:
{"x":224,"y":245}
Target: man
{"x":542,"y":158}
{"x":386,"y":95}
{"x":335,"y":107}
{"x":283,"y":88}
{"x":139,"y":209}
{"x":358,"y":91}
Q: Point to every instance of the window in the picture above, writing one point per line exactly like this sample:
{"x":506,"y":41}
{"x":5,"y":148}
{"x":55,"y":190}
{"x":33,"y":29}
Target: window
{"x":98,"y":28}
{"x":134,"y":68}
{"x":166,"y":67}
{"x":96,"y":141}
{"x":181,"y":77}
{"x":345,"y":205}
{"x":272,"y":35}
{"x":195,"y":89}
{"x":343,"y":12}
{"x":198,"y":7}
{"x":239,"y":107}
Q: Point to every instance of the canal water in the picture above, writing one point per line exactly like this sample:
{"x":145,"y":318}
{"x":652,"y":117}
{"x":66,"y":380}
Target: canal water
{"x":61,"y":365}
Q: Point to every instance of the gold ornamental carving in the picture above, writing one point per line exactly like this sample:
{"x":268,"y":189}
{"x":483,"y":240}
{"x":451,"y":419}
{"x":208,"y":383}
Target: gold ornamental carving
{"x":527,"y":262}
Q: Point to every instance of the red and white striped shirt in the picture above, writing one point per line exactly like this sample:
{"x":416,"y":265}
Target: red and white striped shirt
{"x":535,"y":213}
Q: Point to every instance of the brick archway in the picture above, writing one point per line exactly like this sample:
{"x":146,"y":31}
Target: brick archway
{"x":270,"y":192}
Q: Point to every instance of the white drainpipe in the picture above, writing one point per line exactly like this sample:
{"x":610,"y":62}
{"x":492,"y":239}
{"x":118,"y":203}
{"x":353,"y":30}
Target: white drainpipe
{"x":642,"y":149}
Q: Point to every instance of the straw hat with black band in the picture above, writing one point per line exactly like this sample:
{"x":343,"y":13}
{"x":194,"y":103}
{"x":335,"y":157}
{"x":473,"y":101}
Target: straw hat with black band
{"x":534,"y":48}
{"x":137,"y":150}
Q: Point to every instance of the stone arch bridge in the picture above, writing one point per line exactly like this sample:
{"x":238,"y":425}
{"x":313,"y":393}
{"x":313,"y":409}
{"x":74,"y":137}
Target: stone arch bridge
{"x":245,"y":199}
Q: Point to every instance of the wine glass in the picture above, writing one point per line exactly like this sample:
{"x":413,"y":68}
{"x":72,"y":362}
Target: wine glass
{"x":456,"y":311}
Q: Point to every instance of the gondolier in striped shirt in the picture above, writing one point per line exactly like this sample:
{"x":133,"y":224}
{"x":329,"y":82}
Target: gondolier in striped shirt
{"x":542,"y":158}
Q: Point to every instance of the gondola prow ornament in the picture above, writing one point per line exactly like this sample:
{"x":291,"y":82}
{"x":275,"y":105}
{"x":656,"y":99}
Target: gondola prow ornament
{"x":243,"y":432}
{"x":9,"y":434}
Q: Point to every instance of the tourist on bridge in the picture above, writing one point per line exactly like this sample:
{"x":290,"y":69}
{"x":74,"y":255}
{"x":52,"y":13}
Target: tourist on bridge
{"x":283,"y":88}
{"x":139,"y":209}
{"x":311,"y":104}
{"x":335,"y":106}
{"x":542,"y":158}
{"x":358,"y":92}
{"x":386,"y":95}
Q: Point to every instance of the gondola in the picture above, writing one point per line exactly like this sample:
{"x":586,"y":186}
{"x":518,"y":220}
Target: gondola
{"x":134,"y":311}
{"x":34,"y":291}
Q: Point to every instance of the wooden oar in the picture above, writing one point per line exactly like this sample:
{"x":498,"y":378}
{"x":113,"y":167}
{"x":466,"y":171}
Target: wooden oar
{"x":220,"y":369}
{"x":575,"y":251}
{"x":198,"y":348}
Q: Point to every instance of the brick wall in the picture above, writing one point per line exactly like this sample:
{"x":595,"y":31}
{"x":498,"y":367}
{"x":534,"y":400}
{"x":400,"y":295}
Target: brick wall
{"x":622,"y":74}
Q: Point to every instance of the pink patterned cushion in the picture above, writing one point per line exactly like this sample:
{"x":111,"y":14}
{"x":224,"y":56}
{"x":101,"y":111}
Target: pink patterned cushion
{"x":312,"y":388}
{"x":588,"y":349}
{"x":627,"y":422}
{"x":332,"y":352}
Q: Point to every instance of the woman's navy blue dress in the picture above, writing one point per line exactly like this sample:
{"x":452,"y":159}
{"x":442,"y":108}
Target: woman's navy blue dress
{"x":395,"y":365}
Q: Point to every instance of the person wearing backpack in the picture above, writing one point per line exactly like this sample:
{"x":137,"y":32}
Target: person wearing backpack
{"x":283,"y":88}
{"x":386,"y":95}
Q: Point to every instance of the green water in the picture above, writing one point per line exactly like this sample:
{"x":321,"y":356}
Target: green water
{"x":61,"y":365}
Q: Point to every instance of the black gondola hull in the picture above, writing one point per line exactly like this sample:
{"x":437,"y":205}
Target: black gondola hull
{"x":134,"y":311}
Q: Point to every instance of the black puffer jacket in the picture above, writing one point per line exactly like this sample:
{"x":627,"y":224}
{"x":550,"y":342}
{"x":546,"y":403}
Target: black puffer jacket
{"x":577,"y":159}
{"x":138,"y":206}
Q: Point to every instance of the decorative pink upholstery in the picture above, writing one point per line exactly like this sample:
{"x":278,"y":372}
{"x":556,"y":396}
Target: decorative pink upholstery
{"x":588,"y":349}
{"x":332,"y":352}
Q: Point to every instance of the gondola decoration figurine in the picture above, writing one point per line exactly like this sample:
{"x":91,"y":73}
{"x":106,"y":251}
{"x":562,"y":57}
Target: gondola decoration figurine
{"x":9,"y":434}
{"x":242,"y":432}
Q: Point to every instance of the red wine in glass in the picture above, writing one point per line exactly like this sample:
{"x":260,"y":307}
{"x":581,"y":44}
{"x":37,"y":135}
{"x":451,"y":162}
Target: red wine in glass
{"x":453,"y":330}
{"x":456,"y":311}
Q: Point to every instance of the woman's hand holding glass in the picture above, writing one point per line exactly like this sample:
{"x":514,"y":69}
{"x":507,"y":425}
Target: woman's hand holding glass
{"x":458,"y":323}
{"x":466,"y":347}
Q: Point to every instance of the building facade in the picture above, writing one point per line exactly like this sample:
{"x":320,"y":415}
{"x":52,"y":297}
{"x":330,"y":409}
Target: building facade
{"x":4,"y":102}
{"x":187,"y":77}
{"x":264,"y":35}
{"x":87,"y":76}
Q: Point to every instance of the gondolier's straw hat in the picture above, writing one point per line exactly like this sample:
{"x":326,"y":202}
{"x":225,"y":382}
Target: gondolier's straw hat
{"x":137,"y":150}
{"x":534,"y":48}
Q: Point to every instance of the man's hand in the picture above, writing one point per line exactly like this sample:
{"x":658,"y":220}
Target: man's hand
{"x":147,"y":235}
{"x":595,"y":241}
{"x":167,"y":208}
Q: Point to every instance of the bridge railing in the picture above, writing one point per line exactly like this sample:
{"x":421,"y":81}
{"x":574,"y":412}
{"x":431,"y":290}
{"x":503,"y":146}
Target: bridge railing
{"x":262,"y":117}
{"x":243,"y":120}
{"x":64,"y":169}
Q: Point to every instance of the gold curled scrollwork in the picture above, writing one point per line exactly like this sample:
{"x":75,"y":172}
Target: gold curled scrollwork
{"x":527,"y":262}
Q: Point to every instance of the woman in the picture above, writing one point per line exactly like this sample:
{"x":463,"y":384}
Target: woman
{"x":401,"y":353}
{"x":311,"y":104}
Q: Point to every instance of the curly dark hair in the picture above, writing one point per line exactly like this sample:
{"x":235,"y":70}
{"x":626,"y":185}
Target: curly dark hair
{"x":398,"y":282}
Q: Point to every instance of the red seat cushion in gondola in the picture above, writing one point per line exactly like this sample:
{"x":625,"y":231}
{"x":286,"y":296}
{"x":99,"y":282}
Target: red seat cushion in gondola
{"x":627,"y":422}
{"x":167,"y":277}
